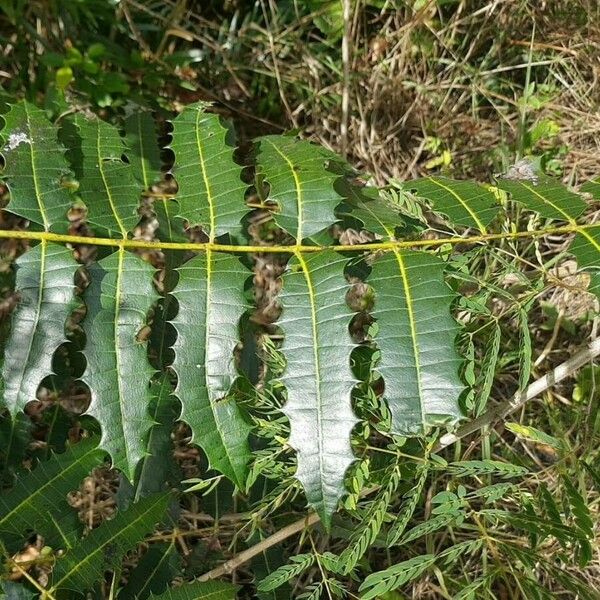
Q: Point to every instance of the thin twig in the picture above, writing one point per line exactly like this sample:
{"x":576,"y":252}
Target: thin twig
{"x":243,"y":557}
{"x":539,"y":386}
{"x":500,"y":411}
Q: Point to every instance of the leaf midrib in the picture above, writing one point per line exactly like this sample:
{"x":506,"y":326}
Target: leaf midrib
{"x":567,"y":216}
{"x":413,"y":329}
{"x":474,"y":216}
{"x":109,"y":196}
{"x":545,"y":200}
{"x":101,"y":546}
{"x":209,"y":196}
{"x":299,"y":193}
{"x":48,"y":483}
{"x":121,"y":253}
{"x":313,"y":315}
{"x":34,"y":173}
{"x":207,"y":312}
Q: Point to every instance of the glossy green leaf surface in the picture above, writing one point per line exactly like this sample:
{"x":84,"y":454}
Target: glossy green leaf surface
{"x":143,"y":149}
{"x":104,"y":547}
{"x":374,"y":212}
{"x":592,"y":187}
{"x":107,"y":184}
{"x":210,"y":295}
{"x":36,"y":499}
{"x":585,"y":247}
{"x":419,"y":363}
{"x":315,"y":322}
{"x":46,"y":287}
{"x":548,"y":197}
{"x":118,"y":374}
{"x":153,"y":573}
{"x":210,"y":590}
{"x":464,"y":202}
{"x":35,"y":166}
{"x":299,"y":183}
{"x":153,"y":470}
{"x":211,"y":192}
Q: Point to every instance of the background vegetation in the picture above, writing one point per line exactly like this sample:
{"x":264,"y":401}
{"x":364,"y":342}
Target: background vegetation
{"x":400,"y":89}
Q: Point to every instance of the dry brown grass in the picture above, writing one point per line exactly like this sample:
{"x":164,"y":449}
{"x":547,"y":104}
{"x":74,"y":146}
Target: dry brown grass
{"x":456,"y":73}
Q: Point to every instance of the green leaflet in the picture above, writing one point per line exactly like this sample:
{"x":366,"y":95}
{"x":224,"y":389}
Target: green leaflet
{"x":157,"y":462}
{"x":210,"y":294}
{"x":35,"y":167}
{"x":211,"y":193}
{"x":84,"y":564}
{"x":548,"y":197}
{"x":46,"y":289}
{"x":464,"y":202}
{"x":41,"y":495}
{"x":154,"y":572}
{"x":553,"y":201}
{"x":15,"y":591}
{"x":118,"y":374}
{"x":373,"y":210}
{"x":419,"y":363}
{"x":15,"y":435}
{"x":106,"y":183}
{"x":144,"y":152}
{"x":299,"y":183}
{"x":376,"y":584}
{"x":592,"y":187}
{"x":586,"y":249}
{"x":209,"y":590}
{"x":318,"y":378}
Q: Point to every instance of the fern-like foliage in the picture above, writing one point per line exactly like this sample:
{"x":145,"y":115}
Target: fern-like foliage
{"x":309,"y":190}
{"x":39,"y":498}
